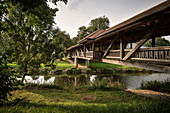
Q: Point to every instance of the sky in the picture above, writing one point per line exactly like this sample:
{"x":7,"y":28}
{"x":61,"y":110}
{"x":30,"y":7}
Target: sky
{"x":79,"y":13}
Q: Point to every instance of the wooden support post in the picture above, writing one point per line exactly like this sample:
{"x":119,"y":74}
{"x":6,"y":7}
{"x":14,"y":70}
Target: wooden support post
{"x":101,"y":48}
{"x":121,"y":48}
{"x":153,"y":41}
{"x":131,"y":46}
{"x":93,"y":49}
{"x":142,"y":41}
{"x":153,"y":45}
{"x":84,"y":50}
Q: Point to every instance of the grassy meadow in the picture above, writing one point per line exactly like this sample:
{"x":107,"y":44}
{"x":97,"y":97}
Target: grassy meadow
{"x":81,"y":101}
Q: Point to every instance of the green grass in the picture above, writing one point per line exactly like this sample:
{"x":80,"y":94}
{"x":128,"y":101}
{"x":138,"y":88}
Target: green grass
{"x":63,"y":65}
{"x":102,"y":65}
{"x":65,"y":101}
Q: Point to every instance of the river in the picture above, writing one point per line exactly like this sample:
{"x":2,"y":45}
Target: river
{"x":131,"y":81}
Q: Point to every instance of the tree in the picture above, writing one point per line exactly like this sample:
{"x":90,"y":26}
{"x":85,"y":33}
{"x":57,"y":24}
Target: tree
{"x":95,"y":24}
{"x":28,"y":26}
{"x":158,"y":42}
{"x":98,"y":23}
{"x":82,"y":32}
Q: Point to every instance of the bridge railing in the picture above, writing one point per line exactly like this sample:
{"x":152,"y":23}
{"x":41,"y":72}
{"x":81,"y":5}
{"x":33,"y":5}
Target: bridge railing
{"x":162,"y":53}
{"x":116,"y":53}
{"x":89,"y":54}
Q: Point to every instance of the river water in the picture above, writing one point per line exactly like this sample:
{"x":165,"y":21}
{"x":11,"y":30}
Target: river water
{"x":131,"y":81}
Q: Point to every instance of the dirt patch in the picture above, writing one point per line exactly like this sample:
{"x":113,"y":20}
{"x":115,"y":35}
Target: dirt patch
{"x":88,"y":98}
{"x":150,"y":94}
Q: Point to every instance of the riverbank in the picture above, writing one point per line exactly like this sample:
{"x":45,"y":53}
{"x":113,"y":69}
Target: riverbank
{"x":35,"y":100}
{"x":106,"y":68}
{"x":66,"y":66}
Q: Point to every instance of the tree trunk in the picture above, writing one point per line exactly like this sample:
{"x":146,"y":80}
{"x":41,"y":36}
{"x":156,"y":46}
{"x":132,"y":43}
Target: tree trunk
{"x":25,"y":73}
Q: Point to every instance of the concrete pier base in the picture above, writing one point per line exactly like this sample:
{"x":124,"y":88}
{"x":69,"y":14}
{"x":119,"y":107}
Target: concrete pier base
{"x":87,"y":63}
{"x":76,"y":62}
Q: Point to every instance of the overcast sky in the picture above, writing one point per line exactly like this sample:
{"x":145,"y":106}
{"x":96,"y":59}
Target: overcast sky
{"x":78,"y":13}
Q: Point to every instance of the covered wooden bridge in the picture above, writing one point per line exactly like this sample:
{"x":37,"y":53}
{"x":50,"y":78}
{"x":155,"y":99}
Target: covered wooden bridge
{"x":116,"y":44}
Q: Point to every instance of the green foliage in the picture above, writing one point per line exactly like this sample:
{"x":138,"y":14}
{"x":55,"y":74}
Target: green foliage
{"x":38,"y":86}
{"x":71,"y":71}
{"x":28,"y":37}
{"x":5,"y":79}
{"x":94,"y":25}
{"x":158,"y":42}
{"x":161,"y":86}
{"x":98,"y":23}
{"x":82,"y":33}
{"x":104,"y":85}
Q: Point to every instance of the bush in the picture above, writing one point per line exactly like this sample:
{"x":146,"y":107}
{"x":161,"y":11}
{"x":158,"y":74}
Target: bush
{"x":5,"y":79}
{"x":45,"y":70}
{"x":73,"y":71}
{"x":104,"y":85}
{"x":33,"y":71}
{"x":88,"y":71}
{"x":50,"y":86}
{"x":161,"y":86}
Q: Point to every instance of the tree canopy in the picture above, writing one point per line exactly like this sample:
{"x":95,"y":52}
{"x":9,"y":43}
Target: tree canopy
{"x":95,"y":24}
{"x":98,"y":23}
{"x":28,"y":37}
{"x":158,"y":42}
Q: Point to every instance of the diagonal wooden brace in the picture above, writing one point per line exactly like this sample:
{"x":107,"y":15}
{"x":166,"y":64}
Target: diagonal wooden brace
{"x":108,"y":49}
{"x":142,"y":41}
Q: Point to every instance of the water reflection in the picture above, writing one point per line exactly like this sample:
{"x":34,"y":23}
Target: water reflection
{"x":131,"y":81}
{"x":39,"y":80}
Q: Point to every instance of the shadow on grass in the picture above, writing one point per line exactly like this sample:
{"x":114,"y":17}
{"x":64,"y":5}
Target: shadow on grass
{"x":149,"y":107}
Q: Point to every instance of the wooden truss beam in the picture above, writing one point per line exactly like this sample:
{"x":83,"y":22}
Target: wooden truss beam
{"x":84,"y":48}
{"x":108,"y":49}
{"x":142,"y":41}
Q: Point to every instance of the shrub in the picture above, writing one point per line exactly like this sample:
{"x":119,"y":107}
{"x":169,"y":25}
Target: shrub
{"x":162,"y":86}
{"x":45,"y":70}
{"x":104,"y":85}
{"x":73,"y":71}
{"x":50,"y":86}
{"x":5,"y":79}
{"x":88,"y":71}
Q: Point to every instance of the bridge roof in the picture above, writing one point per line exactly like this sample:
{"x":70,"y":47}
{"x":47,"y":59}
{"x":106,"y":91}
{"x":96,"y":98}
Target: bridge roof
{"x":92,"y":36}
{"x":74,"y":46}
{"x":143,"y":21}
